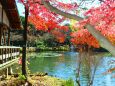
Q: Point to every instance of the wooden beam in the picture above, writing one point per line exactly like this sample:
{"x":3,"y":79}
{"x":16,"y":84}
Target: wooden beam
{"x":11,"y":9}
{"x":2,"y":15}
{"x":9,"y":47}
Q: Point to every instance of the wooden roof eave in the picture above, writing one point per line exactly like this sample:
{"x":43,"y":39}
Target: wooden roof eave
{"x":10,"y":8}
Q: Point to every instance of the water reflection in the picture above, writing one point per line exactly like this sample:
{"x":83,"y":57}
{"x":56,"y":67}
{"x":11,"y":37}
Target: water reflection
{"x":87,"y":64}
{"x":86,"y":69}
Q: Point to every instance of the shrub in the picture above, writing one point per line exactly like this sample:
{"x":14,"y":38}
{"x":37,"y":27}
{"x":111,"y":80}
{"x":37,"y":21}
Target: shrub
{"x":69,"y":82}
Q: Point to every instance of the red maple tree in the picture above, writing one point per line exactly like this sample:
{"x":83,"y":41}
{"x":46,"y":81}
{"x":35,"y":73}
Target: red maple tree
{"x":101,"y":18}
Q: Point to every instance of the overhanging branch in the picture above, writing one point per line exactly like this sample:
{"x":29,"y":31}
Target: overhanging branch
{"x":104,"y":42}
{"x":55,"y":10}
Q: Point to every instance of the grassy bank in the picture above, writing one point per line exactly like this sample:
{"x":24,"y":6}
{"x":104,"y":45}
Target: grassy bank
{"x":44,"y":48}
{"x":35,"y":80}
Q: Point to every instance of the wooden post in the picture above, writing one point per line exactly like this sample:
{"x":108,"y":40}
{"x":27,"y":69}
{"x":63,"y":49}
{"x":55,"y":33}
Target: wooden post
{"x":0,"y":36}
{"x":2,"y":55}
{"x":1,"y":29}
{"x":1,"y":61}
{"x":4,"y":37}
{"x":8,"y":37}
{"x":11,"y":51}
{"x":5,"y":54}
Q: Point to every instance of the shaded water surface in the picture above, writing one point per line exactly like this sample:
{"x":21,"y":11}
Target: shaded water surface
{"x":64,"y":65}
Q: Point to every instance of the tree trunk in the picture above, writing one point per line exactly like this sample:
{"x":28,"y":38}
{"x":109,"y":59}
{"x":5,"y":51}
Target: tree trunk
{"x":104,"y":42}
{"x":25,"y":43}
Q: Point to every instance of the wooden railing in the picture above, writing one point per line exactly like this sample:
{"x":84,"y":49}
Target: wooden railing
{"x":8,"y":53}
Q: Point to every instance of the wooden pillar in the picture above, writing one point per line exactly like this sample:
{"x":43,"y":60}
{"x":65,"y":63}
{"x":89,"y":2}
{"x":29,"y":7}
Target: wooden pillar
{"x":1,"y":28}
{"x":1,"y":53}
{"x":4,"y":37}
{"x":0,"y":36}
{"x":8,"y":37}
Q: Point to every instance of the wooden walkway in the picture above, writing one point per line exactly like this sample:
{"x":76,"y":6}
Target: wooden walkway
{"x":8,"y":56}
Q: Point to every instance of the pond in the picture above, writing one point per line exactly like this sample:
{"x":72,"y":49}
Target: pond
{"x":64,"y":65}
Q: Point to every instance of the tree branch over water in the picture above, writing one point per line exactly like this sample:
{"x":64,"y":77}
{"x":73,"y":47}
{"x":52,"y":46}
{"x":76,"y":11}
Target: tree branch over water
{"x":104,"y":42}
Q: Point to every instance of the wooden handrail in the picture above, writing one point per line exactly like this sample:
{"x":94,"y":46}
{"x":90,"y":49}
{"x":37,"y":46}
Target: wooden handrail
{"x":9,"y":47}
{"x":8,"y":53}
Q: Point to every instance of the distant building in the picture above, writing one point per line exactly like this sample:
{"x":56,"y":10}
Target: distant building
{"x":9,"y":19}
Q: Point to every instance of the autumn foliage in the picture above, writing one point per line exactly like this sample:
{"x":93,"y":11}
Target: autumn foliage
{"x":84,"y":37}
{"x":102,"y":18}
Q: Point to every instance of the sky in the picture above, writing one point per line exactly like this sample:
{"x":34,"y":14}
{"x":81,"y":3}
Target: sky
{"x":21,"y":7}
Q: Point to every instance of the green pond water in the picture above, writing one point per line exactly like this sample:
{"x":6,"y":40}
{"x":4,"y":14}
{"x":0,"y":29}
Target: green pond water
{"x":64,"y":65}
